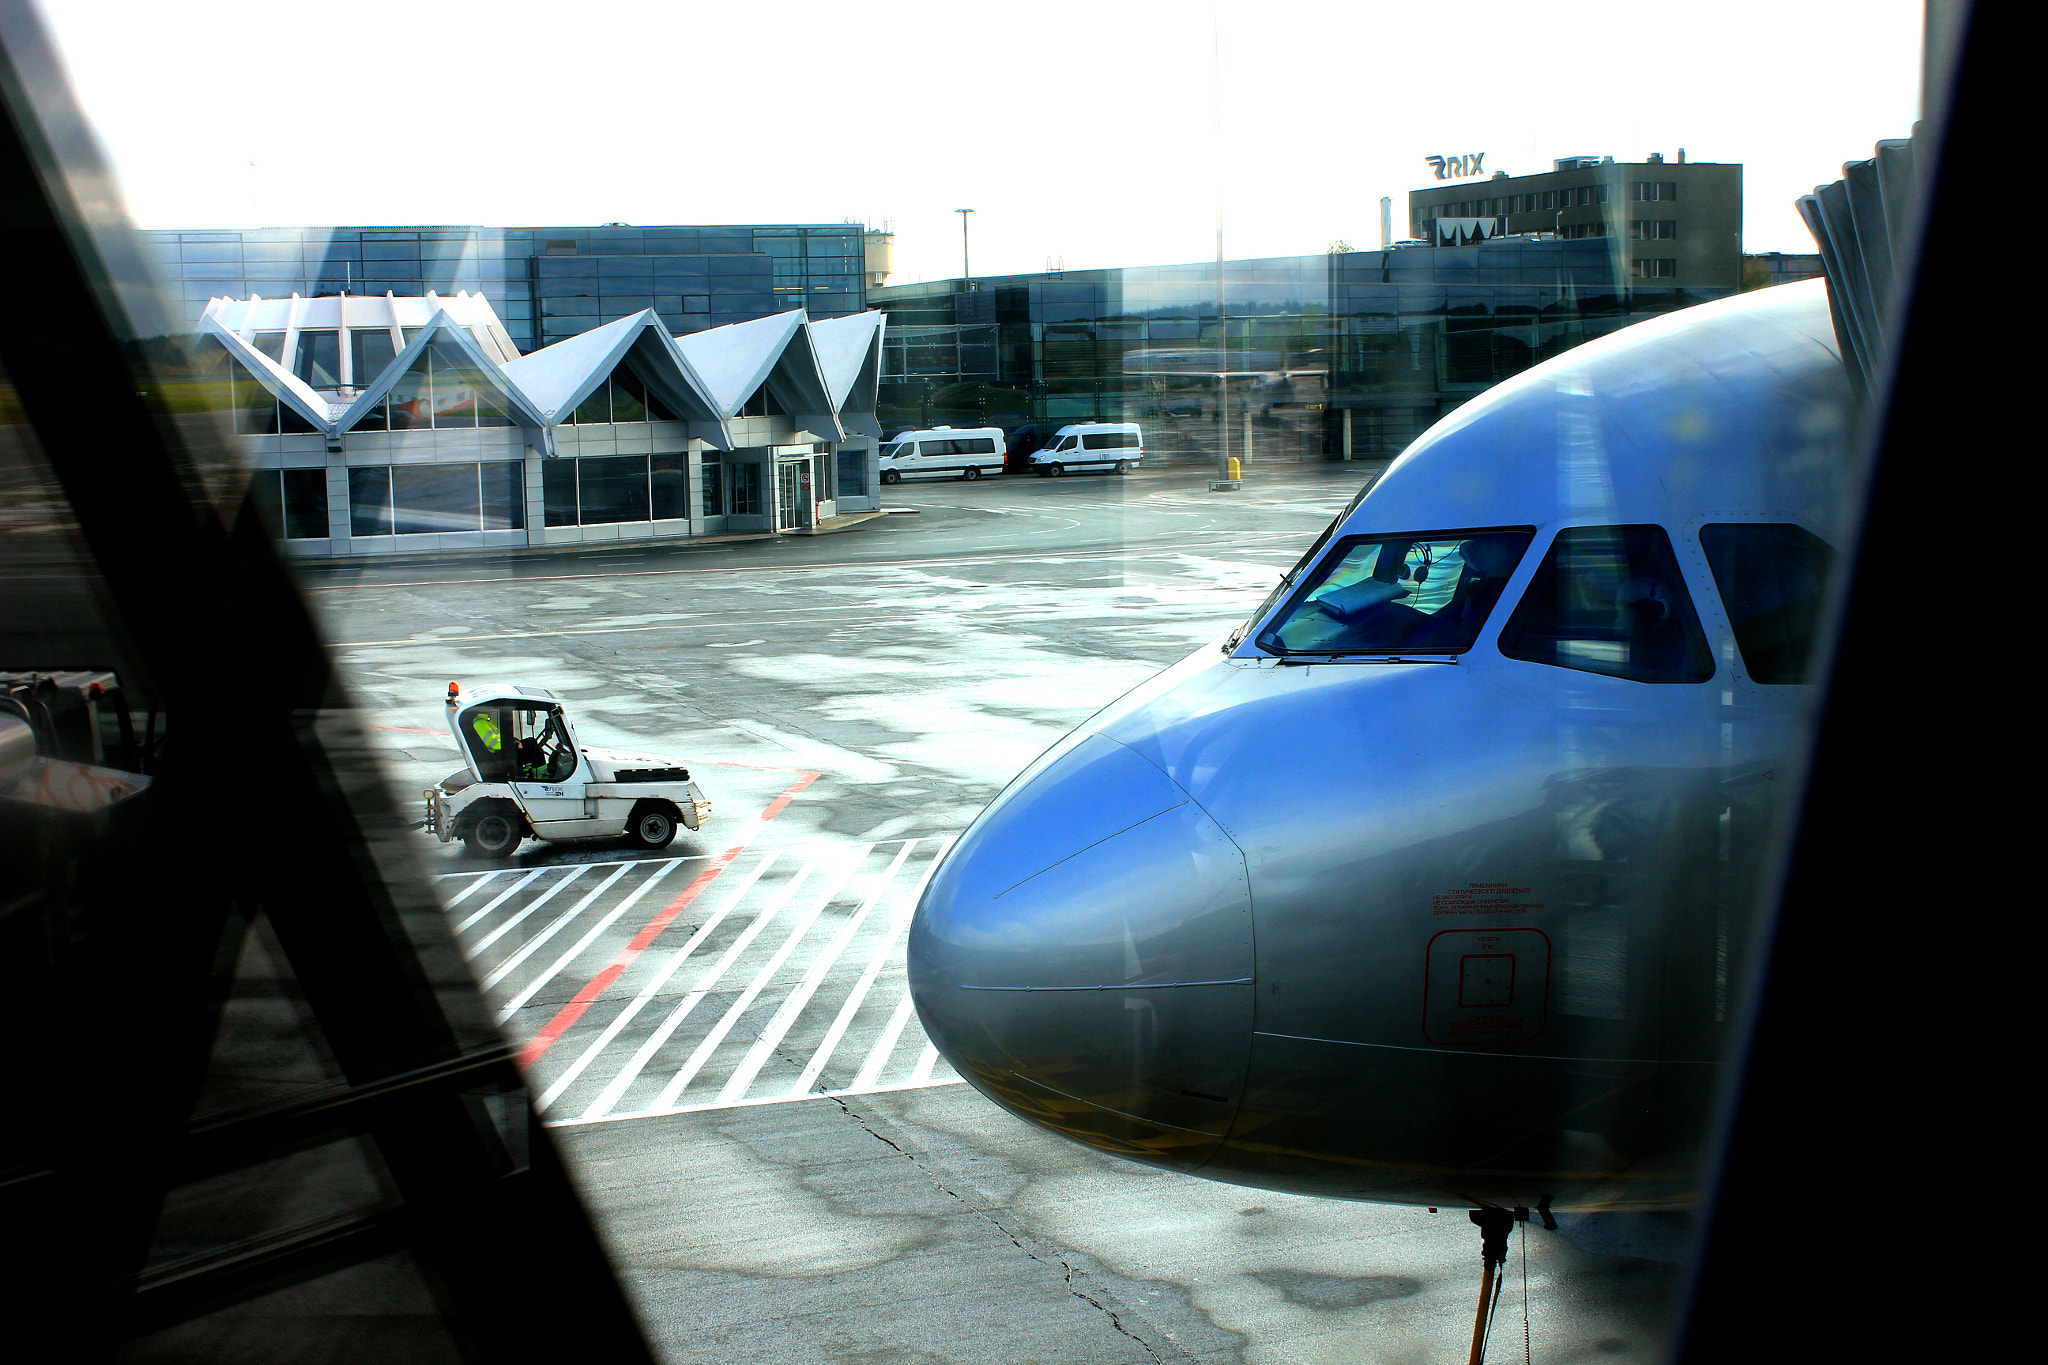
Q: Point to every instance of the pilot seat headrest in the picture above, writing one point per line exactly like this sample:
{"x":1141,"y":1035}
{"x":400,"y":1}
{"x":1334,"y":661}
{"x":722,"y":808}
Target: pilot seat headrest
{"x":1490,"y":556}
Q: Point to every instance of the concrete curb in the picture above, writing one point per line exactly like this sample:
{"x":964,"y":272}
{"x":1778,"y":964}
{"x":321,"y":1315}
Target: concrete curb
{"x":313,"y":566}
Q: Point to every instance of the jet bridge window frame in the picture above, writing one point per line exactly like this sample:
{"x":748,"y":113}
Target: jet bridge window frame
{"x":1308,"y":578}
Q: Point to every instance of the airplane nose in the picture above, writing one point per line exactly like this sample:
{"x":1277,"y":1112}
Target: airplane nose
{"x":1084,"y":957}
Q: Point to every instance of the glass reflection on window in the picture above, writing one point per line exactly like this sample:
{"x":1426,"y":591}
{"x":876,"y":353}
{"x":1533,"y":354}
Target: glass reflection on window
{"x":1610,"y":599}
{"x":1771,"y":576}
{"x":1401,"y":593}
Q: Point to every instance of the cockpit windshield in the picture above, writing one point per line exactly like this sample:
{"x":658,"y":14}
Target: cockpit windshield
{"x":1425,"y":593}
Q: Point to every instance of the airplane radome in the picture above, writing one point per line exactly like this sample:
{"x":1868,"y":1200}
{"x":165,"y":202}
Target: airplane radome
{"x":1438,"y":880}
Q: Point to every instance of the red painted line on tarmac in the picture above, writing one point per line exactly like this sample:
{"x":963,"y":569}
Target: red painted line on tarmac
{"x":566,"y":1017}
{"x":407,"y":730}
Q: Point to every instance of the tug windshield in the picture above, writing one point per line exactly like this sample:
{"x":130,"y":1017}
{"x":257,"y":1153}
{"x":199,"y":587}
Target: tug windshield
{"x":1404,"y":594}
{"x":545,"y":751}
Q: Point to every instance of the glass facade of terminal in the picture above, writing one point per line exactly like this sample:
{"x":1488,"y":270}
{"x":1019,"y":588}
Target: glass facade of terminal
{"x":1313,"y":357}
{"x":545,"y":283}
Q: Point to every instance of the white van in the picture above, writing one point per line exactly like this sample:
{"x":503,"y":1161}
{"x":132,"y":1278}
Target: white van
{"x":1090,"y":445}
{"x":963,"y":453}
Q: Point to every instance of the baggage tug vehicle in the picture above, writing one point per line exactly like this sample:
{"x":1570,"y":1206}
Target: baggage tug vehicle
{"x":528,"y":777}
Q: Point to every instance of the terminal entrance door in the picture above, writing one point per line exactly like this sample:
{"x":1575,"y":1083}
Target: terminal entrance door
{"x":792,"y":495}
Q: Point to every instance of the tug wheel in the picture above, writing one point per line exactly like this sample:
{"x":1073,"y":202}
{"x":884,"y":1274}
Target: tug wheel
{"x":495,"y":832}
{"x":653,"y":825}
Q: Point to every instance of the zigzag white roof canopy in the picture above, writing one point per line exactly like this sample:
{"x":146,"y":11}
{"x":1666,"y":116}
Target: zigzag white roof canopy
{"x":823,"y":374}
{"x":850,"y":355}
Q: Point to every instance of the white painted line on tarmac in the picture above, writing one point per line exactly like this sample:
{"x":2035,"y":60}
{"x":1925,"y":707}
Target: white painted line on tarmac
{"x":925,"y":1062}
{"x":654,"y":985}
{"x":876,"y":961}
{"x":539,"y":940}
{"x":536,"y":903}
{"x":471,"y":889}
{"x":499,"y":899}
{"x":621,"y":1082}
{"x":709,"y":1044}
{"x":752,"y":1103}
{"x":851,"y":1005}
{"x":605,"y":922}
{"x":878,"y":1056}
{"x":753,"y":572}
{"x":771,"y":1037}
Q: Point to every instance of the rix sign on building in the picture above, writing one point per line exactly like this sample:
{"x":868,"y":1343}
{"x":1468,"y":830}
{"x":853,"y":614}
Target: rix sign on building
{"x":1453,"y":167}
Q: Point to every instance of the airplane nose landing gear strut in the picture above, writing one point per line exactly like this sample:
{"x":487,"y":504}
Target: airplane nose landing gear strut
{"x":1495,"y":1225}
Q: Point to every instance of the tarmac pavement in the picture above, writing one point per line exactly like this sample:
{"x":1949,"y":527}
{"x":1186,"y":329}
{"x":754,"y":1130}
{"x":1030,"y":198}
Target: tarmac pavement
{"x":784,"y":1169}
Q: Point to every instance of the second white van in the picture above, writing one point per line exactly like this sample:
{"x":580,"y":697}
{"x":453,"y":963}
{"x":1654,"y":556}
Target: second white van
{"x":1090,"y":445}
{"x":949,"y":452}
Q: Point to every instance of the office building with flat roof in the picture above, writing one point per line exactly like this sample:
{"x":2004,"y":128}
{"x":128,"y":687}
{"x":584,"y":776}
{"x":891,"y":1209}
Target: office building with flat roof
{"x":1668,"y":222}
{"x":545,"y":284}
{"x":1344,"y":355}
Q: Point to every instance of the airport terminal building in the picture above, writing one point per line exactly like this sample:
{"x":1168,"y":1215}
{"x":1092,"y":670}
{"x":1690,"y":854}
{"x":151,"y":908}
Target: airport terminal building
{"x":1346,"y":355}
{"x":1676,"y":222}
{"x":404,"y":424}
{"x":545,"y":284}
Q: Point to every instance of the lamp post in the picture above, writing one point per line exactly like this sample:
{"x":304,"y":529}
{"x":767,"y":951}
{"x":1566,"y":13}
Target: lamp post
{"x":965,"y":272}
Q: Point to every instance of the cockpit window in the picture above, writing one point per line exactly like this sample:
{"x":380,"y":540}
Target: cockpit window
{"x":1399,"y":595}
{"x":1610,"y":599}
{"x":1771,"y":576}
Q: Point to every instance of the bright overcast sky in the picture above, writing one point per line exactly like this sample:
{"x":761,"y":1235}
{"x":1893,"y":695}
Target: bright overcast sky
{"x":1082,"y":132}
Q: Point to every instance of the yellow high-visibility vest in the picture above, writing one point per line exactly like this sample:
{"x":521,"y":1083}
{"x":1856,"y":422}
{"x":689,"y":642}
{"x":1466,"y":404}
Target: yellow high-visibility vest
{"x":486,"y":726}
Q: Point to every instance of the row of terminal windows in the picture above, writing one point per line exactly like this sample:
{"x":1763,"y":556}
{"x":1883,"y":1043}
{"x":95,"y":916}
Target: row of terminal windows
{"x":429,"y":499}
{"x":386,"y":500}
{"x":1605,"y":599}
{"x":606,"y":490}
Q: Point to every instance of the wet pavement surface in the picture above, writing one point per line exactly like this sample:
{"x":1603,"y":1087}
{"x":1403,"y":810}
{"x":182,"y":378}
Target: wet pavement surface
{"x":720,"y":1031}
